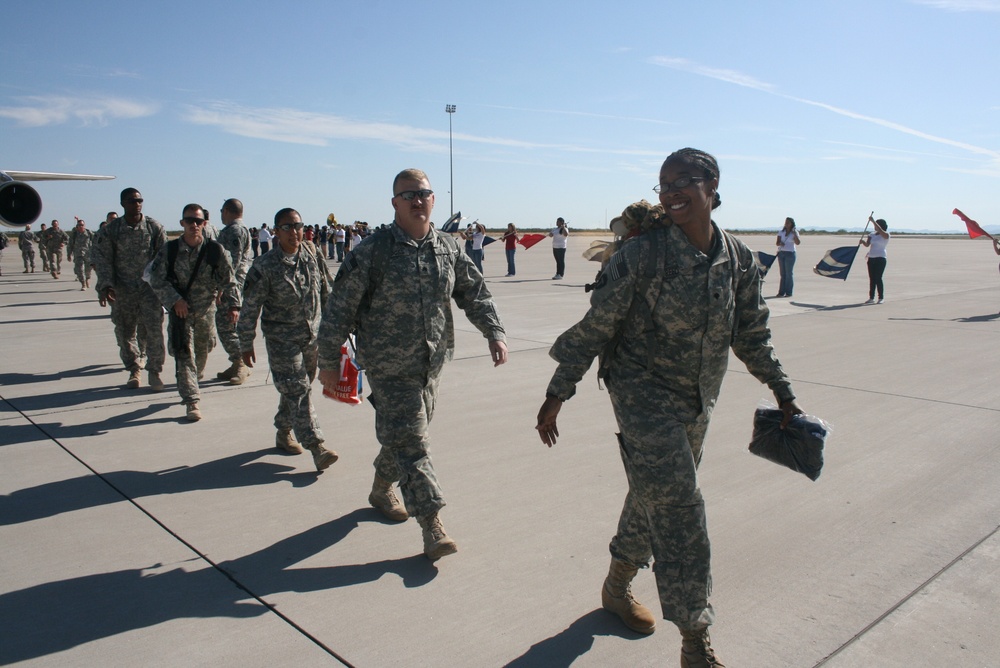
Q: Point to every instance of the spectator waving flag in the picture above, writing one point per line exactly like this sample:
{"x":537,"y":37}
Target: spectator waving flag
{"x":974,"y":229}
{"x":451,"y":225}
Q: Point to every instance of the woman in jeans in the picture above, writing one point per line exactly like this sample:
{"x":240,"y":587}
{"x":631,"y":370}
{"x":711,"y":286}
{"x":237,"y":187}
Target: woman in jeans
{"x":788,"y":239}
{"x":876,"y":242}
{"x":510,"y":247}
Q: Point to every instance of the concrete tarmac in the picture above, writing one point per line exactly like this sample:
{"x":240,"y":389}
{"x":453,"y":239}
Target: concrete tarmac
{"x":129,"y":537}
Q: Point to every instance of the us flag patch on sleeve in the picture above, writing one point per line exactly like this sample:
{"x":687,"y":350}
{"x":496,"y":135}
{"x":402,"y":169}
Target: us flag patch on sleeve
{"x":617,"y":269}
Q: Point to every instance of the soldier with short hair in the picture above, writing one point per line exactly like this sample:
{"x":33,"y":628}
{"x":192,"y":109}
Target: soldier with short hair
{"x":26,"y":242}
{"x":395,"y":289}
{"x":235,"y":238}
{"x":664,"y":314}
{"x":121,"y":252}
{"x":81,"y":241}
{"x":286,"y":288}
{"x":188,"y":275}
{"x":53,"y":239}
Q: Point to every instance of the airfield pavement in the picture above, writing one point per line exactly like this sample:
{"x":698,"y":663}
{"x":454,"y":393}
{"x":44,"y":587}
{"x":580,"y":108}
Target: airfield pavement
{"x":129,"y":537}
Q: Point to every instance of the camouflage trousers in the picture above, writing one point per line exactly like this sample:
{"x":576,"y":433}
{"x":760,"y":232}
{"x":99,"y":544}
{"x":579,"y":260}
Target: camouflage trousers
{"x":189,"y":340}
{"x":134,"y":309}
{"x":28,"y":257}
{"x":54,"y":260}
{"x":404,"y":408}
{"x":228,"y":337}
{"x":44,"y":255}
{"x":293,"y":368}
{"x":664,"y":513}
{"x":82,"y":268}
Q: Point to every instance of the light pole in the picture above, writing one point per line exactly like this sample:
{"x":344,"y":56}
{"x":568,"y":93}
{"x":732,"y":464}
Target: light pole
{"x":450,"y":109}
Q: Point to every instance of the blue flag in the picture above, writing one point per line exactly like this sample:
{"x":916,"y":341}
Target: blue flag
{"x":837,"y":262}
{"x":763,"y":261}
{"x":451,"y":225}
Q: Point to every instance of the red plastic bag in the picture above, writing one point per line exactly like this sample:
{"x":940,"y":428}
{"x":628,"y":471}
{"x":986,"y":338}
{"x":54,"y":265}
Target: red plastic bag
{"x":349,"y":387}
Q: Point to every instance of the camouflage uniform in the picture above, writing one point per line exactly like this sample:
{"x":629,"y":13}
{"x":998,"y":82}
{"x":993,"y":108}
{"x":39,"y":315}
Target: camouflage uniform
{"x":189,"y":340}
{"x":3,"y":244}
{"x":54,"y":239}
{"x":664,"y":379}
{"x":79,"y":247}
{"x":121,"y":253}
{"x":236,"y":240}
{"x":405,"y":334}
{"x":25,"y":241}
{"x":287,"y":294}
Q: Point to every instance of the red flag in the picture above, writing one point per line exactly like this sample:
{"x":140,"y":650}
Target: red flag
{"x":974,"y":229}
{"x":529,"y":240}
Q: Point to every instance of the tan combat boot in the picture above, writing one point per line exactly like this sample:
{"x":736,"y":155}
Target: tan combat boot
{"x":193,"y":414}
{"x":436,"y":541}
{"x":230,"y":372}
{"x":241,"y":374}
{"x":616,"y":597}
{"x":697,"y":652}
{"x":155,"y":384}
{"x":285,"y":441}
{"x":384,"y":500}
{"x":322,"y":457}
{"x":134,"y":379}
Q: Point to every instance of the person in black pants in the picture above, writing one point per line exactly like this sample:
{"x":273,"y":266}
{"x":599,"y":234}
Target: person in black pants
{"x":876,"y":242}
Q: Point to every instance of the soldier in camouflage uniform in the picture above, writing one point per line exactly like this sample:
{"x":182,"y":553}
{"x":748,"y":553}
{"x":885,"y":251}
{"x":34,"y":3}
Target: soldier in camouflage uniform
{"x":121,"y":252}
{"x":4,"y":242}
{"x":286,"y":288}
{"x":200,"y":275}
{"x":53,"y":239}
{"x":396,"y":289}
{"x":81,"y":240}
{"x":664,"y":313}
{"x":235,"y":238}
{"x":40,"y":240}
{"x":26,"y":242}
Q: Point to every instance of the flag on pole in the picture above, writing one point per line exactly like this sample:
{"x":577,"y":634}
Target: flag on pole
{"x":529,"y":240}
{"x":451,"y":225}
{"x":974,"y":229}
{"x":837,"y":262}
{"x":487,"y":240}
{"x":763,"y":261}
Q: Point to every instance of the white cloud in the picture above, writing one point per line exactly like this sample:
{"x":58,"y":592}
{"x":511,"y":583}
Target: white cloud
{"x":962,"y":5}
{"x":305,"y":127}
{"x":732,"y":76}
{"x":729,"y":76}
{"x":42,"y":110}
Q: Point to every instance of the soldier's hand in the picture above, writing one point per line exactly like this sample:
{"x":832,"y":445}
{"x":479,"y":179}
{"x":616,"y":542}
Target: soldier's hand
{"x":249,"y":357}
{"x":498,"y":351}
{"x":234,"y":315}
{"x":329,"y":379}
{"x":111,"y":294}
{"x":181,"y":308}
{"x":547,"y":429}
{"x":790,"y":409}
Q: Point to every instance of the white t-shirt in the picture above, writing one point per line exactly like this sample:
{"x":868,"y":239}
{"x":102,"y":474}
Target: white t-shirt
{"x":787,"y":241}
{"x":264,"y":236}
{"x":558,"y":238}
{"x":877,"y":249}
{"x":477,"y":240}
{"x":339,"y":235}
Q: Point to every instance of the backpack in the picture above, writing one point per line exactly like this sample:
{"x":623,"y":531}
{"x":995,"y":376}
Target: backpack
{"x":211,"y":252}
{"x":647,"y":292}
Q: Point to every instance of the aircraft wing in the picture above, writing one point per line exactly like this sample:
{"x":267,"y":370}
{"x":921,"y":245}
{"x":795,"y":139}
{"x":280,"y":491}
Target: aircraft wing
{"x":53,"y":176}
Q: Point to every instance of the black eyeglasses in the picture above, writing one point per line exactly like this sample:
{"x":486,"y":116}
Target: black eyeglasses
{"x":288,"y":227}
{"x":191,"y":220}
{"x":677,"y":184}
{"x":410,"y":195}
{"x":137,"y":200}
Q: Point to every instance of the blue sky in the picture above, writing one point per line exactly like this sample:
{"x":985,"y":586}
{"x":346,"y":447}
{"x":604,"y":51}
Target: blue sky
{"x":820,"y":110}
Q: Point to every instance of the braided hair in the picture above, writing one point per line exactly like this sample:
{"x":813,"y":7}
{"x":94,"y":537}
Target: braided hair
{"x":701,"y":160}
